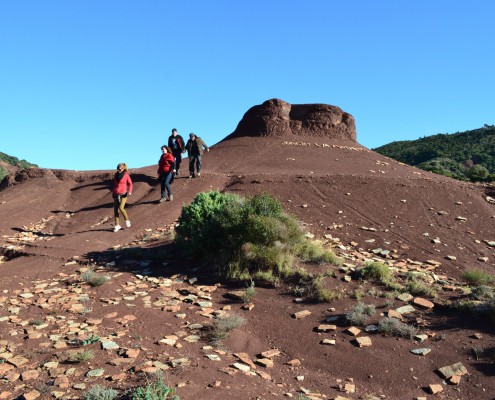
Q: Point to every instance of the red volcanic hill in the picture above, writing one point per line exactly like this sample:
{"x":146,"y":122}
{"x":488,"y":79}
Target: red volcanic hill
{"x":367,"y":207}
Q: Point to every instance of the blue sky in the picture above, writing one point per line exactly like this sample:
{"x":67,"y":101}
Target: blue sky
{"x":87,"y":84}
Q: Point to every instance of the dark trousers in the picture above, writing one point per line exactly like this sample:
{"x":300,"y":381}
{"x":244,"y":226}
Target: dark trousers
{"x":165,"y":178}
{"x":178,"y":158}
{"x":194,"y":161}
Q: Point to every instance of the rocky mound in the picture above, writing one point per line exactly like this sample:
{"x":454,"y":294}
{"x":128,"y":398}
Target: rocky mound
{"x":277,"y":118}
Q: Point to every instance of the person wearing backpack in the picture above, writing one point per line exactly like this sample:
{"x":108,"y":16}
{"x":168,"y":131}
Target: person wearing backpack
{"x":178,"y":146}
{"x":122,"y":186}
{"x":166,"y":170}
{"x":194,"y":147}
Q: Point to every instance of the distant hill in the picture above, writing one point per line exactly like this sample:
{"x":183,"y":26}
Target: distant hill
{"x":10,"y":164}
{"x":468,"y":155}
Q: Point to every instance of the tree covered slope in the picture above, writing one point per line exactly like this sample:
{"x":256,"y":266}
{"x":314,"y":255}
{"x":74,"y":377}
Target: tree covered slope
{"x":466,"y":155}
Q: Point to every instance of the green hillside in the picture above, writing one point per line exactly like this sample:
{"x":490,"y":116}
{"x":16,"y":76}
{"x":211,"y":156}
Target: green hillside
{"x":10,"y":163}
{"x":466,"y":155}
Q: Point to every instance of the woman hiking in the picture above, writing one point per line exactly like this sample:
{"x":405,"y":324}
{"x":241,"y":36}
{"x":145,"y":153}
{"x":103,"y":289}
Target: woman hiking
{"x":166,"y":170}
{"x":122,"y":186}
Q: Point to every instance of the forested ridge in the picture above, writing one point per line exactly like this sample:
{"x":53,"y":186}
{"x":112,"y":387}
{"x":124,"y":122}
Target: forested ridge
{"x":468,"y":155}
{"x":6,"y":161}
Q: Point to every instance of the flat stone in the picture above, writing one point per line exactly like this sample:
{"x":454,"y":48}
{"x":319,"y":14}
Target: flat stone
{"x":235,"y":295}
{"x":244,"y":357}
{"x":451,"y":370}
{"x":94,"y":373}
{"x":32,"y":395}
{"x":420,"y":338}
{"x":18,"y":361}
{"x":363,"y":341}
{"x":405,"y":297}
{"x":180,"y":362}
{"x":61,"y":381}
{"x":118,"y":377}
{"x":326,"y":328}
{"x":353,"y":331}
{"x":242,"y":367}
{"x":455,"y":380}
{"x":109,"y":345}
{"x":435,"y":388}
{"x":301,"y":314}
{"x":405,"y":309}
{"x":265,"y":362}
{"x":328,"y":342}
{"x":421,"y":352}
{"x":270,"y":353}
{"x":29,"y":375}
{"x":132,"y":353}
{"x":394,"y":314}
{"x":213,"y":357}
{"x":419,"y":301}
{"x":79,"y":386}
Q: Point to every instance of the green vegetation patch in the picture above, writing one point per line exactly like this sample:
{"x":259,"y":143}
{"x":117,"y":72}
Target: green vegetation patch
{"x":468,"y":155}
{"x":246,"y":237}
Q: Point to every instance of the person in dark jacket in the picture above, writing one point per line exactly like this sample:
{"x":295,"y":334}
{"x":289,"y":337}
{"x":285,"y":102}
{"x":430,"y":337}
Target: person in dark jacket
{"x":178,"y":146}
{"x":194,"y":147}
{"x":166,"y":170}
{"x":122,"y":186}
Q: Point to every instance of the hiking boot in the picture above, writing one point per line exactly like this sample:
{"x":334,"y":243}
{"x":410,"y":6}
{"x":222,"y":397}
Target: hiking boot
{"x":199,"y":174}
{"x":177,"y":173}
{"x":191,"y":176}
{"x":117,"y":228}
{"x":128,"y":223}
{"x":163,"y":199}
{"x":171,"y":197}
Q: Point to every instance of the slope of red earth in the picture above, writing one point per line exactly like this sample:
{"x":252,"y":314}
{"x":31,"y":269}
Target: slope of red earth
{"x":151,"y":314}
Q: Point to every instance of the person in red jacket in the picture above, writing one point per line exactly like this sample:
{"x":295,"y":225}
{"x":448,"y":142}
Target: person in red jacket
{"x":166,"y":170}
{"x":122,"y":186}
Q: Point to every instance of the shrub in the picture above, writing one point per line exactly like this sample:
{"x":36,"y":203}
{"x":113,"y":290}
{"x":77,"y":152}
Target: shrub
{"x":249,"y":293}
{"x":243,"y":237}
{"x":395,"y":327}
{"x":360,"y":313}
{"x":315,"y":253}
{"x":155,"y":391}
{"x":376,"y":271}
{"x":482,"y":293}
{"x":316,"y":291}
{"x":476,"y":277}
{"x":82,"y":356}
{"x":93,"y":279}
{"x":416,"y":284}
{"x":221,"y":327}
{"x":98,"y":392}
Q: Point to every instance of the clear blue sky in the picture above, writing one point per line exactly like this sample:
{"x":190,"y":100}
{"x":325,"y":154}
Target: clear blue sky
{"x":85,"y":84}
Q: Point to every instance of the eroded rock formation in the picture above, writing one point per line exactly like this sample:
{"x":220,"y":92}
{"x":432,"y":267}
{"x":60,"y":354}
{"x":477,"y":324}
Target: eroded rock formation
{"x":277,"y":118}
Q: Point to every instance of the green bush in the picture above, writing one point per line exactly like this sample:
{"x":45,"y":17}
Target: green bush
{"x":98,"y":392}
{"x":220,"y":328}
{"x":376,"y":271}
{"x":314,"y":252}
{"x":476,"y":277}
{"x":482,"y":292}
{"x":394,"y":327}
{"x":244,"y":237}
{"x":360,"y":313}
{"x":417,"y":284}
{"x":154,"y":391}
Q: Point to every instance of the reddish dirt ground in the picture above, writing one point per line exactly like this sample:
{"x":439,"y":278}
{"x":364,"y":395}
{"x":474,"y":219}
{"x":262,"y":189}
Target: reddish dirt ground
{"x":54,"y":223}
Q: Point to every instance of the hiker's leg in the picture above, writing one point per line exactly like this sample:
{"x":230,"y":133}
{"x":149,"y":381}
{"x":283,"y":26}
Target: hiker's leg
{"x":162,"y":185}
{"x":198,"y":163}
{"x":121,"y":208}
{"x":116,"y":205}
{"x":167,"y":183}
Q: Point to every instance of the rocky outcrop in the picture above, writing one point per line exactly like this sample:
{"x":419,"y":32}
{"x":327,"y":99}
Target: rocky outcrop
{"x":277,"y":118}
